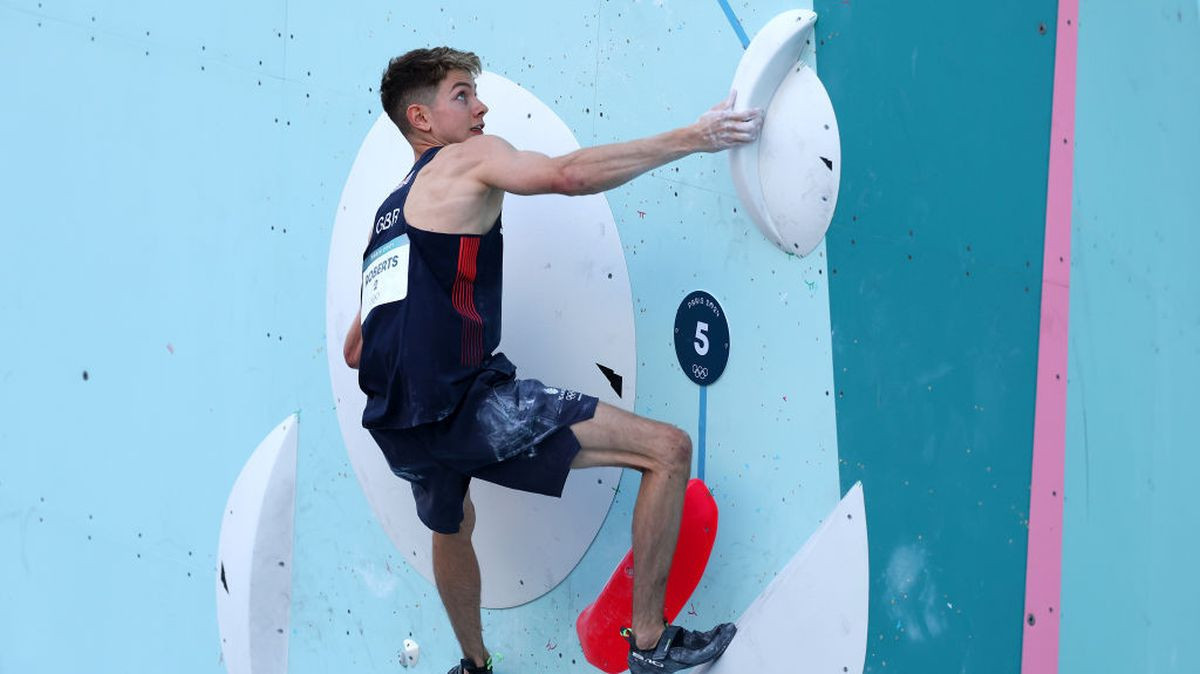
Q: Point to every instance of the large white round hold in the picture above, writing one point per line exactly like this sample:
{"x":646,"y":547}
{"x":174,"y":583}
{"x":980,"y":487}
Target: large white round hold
{"x":788,"y":179}
{"x":568,"y":321}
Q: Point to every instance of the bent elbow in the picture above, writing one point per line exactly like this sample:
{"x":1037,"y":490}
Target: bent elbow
{"x":352,"y":356}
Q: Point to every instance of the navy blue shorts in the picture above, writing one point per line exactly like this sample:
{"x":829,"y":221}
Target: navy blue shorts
{"x":511,"y":432}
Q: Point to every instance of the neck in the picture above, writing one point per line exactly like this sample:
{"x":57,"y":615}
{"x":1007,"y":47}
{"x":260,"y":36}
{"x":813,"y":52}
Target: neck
{"x":423,"y":143}
{"x":420,"y":149}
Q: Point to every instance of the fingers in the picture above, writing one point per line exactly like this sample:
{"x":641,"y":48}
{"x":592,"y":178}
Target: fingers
{"x":741,"y":117}
{"x":747,"y":115}
{"x":739,"y":131}
{"x":744,"y":133}
{"x":752,"y":124}
{"x":725,"y":128}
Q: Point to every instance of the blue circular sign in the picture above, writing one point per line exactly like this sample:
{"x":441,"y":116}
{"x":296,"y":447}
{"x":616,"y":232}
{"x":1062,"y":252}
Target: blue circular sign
{"x":701,"y":337}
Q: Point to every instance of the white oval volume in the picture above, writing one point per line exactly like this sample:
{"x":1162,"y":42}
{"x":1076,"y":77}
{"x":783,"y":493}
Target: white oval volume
{"x":568,"y":321}
{"x":787,"y":180}
{"x":254,"y":558}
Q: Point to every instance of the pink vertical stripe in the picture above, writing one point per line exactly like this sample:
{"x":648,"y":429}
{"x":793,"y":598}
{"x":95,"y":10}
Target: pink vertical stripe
{"x":1043,"y":571}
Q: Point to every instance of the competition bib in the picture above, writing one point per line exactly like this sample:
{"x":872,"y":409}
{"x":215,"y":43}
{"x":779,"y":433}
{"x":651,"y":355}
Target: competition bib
{"x":385,"y":275}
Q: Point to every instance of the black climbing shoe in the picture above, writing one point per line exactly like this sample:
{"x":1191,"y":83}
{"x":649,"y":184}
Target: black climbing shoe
{"x":678,"y":649}
{"x":468,"y":667}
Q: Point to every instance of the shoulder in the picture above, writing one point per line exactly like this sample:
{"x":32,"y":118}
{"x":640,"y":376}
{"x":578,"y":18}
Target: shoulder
{"x":478,"y":159}
{"x":479,"y":149}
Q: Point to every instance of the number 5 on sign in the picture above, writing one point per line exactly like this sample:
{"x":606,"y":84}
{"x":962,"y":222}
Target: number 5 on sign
{"x":701,"y":338}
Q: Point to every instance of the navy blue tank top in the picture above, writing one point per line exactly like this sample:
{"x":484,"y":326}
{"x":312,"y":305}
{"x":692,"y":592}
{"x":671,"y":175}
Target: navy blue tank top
{"x":430,"y":315}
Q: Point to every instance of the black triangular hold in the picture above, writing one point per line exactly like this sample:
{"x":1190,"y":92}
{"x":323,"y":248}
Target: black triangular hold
{"x":613,"y":378}
{"x":828,"y":163}
{"x":223,"y":583}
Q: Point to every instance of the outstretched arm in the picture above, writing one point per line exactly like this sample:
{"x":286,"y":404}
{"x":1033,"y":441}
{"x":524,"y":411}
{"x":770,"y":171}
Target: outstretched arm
{"x":600,"y":168}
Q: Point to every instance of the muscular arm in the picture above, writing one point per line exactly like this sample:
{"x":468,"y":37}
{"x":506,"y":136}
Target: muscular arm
{"x":596,"y":169}
{"x":352,"y":349}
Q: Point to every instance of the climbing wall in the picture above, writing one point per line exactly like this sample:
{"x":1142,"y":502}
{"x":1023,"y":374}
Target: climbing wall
{"x":175,"y":176}
{"x":183,"y":168}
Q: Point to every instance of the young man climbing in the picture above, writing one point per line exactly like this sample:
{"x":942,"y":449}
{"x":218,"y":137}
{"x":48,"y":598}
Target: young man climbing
{"x":444,"y":407}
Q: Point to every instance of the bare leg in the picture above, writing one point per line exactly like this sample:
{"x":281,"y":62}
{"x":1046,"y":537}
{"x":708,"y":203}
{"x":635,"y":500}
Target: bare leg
{"x":656,"y":517}
{"x":456,"y":569}
{"x":663,"y":454}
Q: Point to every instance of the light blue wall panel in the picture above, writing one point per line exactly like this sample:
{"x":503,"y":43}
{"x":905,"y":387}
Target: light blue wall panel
{"x":172,"y":172}
{"x":1131,"y":514}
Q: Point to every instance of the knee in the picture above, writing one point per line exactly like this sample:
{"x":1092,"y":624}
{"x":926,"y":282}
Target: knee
{"x":675,"y":450}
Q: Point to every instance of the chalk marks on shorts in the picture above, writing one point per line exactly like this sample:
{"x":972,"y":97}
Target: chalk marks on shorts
{"x":519,"y":414}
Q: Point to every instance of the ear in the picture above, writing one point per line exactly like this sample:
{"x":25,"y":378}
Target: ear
{"x":418,"y":116}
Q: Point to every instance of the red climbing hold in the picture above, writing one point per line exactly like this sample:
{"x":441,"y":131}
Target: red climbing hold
{"x":599,"y":625}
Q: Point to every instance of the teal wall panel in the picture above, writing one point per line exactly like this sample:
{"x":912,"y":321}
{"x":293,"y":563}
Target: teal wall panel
{"x":1130,"y":513}
{"x":935,"y":271}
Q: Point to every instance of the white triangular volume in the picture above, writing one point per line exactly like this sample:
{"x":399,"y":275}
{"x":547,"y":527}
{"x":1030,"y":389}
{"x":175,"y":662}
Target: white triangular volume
{"x":254,"y":558}
{"x":813,"y":616}
{"x":788,"y":179}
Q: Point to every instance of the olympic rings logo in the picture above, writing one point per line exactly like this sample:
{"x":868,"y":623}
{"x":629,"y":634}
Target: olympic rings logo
{"x":699,"y":371}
